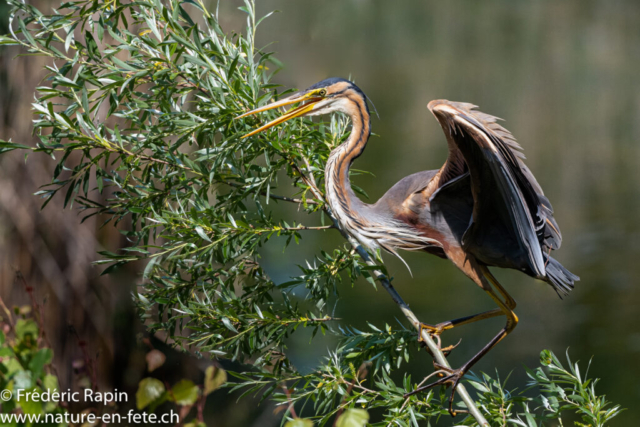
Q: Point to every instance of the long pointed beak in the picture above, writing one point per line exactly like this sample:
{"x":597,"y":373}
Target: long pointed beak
{"x":308,"y":103}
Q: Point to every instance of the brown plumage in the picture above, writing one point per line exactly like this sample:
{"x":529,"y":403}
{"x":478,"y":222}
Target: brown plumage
{"x":482,"y":208}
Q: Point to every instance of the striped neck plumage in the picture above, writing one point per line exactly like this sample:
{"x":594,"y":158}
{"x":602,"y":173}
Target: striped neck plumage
{"x":337,"y":169}
{"x":354,"y":216}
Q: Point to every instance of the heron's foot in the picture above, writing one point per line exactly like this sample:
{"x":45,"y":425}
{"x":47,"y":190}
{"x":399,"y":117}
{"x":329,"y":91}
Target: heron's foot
{"x":435,"y":332}
{"x":452,"y":377}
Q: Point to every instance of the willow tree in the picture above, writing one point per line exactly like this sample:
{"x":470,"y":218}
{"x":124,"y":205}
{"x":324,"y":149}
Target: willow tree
{"x":137,"y":110}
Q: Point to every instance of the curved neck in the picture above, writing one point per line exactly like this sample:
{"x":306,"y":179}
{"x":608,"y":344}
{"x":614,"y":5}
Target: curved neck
{"x":341,"y":197}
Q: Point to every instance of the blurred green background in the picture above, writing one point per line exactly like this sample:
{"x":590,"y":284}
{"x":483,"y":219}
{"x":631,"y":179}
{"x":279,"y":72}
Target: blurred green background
{"x":563,"y":74}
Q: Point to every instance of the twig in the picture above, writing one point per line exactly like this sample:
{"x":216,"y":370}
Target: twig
{"x":304,"y":227}
{"x":7,"y":312}
{"x":38,"y":313}
{"x":363,"y":370}
{"x":384,"y":281}
{"x":419,"y":385}
{"x":89,"y":365}
{"x":291,"y":408}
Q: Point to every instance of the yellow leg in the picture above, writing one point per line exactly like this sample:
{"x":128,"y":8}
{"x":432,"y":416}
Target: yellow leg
{"x":509,"y":301}
{"x":455,"y":376}
{"x":450,"y":324}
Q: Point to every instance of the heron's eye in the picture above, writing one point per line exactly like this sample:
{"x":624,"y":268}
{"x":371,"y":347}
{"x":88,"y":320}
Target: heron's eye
{"x":322,"y":92}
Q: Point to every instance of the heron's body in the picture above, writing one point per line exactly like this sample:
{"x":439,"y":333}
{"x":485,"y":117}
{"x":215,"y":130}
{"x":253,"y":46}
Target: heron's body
{"x":482,"y":208}
{"x":512,"y":225}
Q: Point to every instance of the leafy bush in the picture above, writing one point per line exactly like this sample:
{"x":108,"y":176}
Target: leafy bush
{"x":138,"y":112}
{"x":563,"y":393}
{"x":25,"y":363}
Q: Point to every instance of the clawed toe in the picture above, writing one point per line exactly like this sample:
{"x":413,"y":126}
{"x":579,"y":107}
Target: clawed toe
{"x":448,"y":349}
{"x":435,"y":332}
{"x":452,"y":379}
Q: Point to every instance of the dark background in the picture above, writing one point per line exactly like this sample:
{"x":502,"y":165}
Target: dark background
{"x":564,"y":76}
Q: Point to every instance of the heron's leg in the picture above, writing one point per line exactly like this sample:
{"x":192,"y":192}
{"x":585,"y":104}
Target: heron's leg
{"x":509,"y":300}
{"x":438,"y":329}
{"x":455,"y":376}
{"x":450,"y":324}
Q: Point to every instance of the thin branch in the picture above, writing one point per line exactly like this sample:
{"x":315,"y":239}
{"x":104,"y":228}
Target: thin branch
{"x":7,"y":312}
{"x":304,"y":227}
{"x":291,"y":408}
{"x":363,"y":371}
{"x":419,"y":385}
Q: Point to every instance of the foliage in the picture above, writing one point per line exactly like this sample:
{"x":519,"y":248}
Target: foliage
{"x":25,"y":364}
{"x":152,"y":392}
{"x":564,"y":393}
{"x":138,"y":112}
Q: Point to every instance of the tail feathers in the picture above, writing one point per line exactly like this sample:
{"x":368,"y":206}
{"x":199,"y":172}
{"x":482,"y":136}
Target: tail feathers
{"x":559,"y":277}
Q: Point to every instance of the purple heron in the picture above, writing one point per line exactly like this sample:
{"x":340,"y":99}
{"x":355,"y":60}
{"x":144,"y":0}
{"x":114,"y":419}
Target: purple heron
{"x":482,"y":208}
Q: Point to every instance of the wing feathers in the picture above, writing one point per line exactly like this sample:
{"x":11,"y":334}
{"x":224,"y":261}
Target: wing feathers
{"x":499,"y":176}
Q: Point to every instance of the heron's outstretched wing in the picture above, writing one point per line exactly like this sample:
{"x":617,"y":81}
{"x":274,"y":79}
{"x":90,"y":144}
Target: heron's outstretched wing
{"x":512,"y":222}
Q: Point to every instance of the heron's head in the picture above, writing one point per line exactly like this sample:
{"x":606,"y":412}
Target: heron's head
{"x":324,"y":97}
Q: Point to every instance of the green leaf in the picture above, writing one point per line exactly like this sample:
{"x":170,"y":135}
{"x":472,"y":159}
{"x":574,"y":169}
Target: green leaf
{"x":232,"y":68}
{"x":227,"y":323}
{"x":184,"y":393}
{"x":50,"y":383}
{"x":26,"y":33}
{"x":214,"y":377}
{"x":92,"y":46}
{"x":149,"y":389}
{"x":39,"y":360}
{"x":8,"y":41}
{"x":26,"y":327}
{"x":23,"y":380}
{"x":353,"y":418}
{"x":31,"y":406}
{"x":202,"y":234}
{"x":299,"y":422}
{"x":6,"y":146}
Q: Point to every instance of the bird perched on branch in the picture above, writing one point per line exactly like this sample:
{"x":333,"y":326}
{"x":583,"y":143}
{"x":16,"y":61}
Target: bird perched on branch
{"x":482,"y":208}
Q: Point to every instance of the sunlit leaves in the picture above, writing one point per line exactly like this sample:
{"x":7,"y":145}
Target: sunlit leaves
{"x":569,"y":390}
{"x":149,"y":389}
{"x":299,"y":422}
{"x":146,"y":119}
{"x":353,"y":418}
{"x":214,"y":378}
{"x":184,"y":392}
